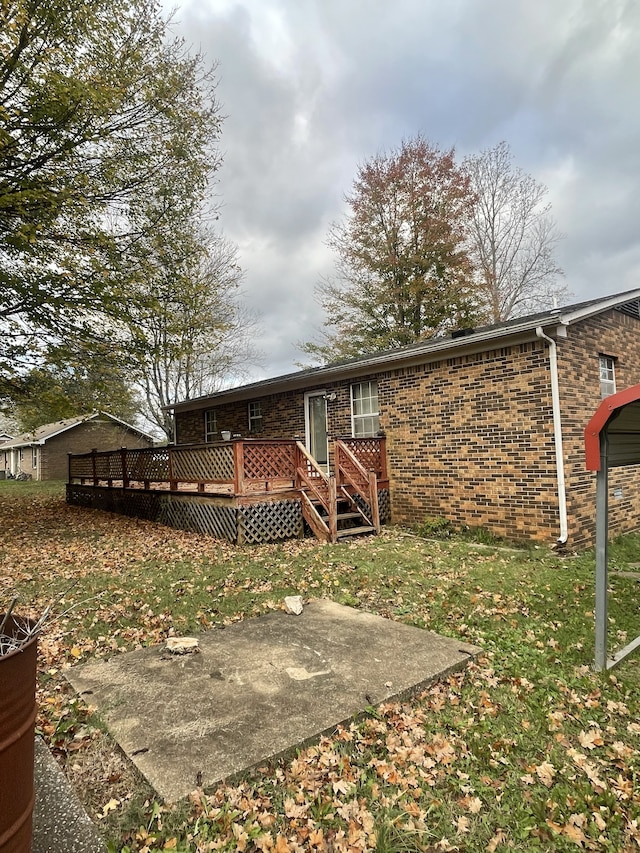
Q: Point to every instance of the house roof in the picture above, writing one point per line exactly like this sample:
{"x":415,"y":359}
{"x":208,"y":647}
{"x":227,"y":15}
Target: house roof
{"x":43,"y":433}
{"x":519,"y":329}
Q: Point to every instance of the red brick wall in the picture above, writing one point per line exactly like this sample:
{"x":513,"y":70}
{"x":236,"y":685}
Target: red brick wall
{"x":473,"y":442}
{"x":458,"y":433}
{"x":471,"y":438}
{"x":616,"y":335}
{"x":282,"y":416}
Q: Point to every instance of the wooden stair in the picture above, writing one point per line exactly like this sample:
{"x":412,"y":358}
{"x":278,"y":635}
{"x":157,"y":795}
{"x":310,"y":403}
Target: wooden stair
{"x":329,"y":504}
{"x":350,"y":520}
{"x":355,"y":531}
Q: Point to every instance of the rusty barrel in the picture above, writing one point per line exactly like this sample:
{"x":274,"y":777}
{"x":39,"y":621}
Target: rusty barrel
{"x":17,"y":732}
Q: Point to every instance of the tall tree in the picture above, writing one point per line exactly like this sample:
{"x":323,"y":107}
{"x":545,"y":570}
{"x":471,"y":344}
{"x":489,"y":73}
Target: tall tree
{"x":513,"y":237}
{"x":76,"y":384}
{"x":95,"y":101}
{"x":191,"y":333}
{"x":185,"y":331}
{"x":403,"y":271}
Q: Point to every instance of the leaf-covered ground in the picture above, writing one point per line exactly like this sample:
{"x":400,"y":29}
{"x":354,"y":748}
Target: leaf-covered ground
{"x":528,"y":749}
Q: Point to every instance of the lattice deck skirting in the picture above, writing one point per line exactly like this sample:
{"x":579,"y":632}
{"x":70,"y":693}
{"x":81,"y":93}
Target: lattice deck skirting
{"x":384,"y":505}
{"x":249,"y":523}
{"x":269,"y":522}
{"x":199,"y":515}
{"x":262,"y":521}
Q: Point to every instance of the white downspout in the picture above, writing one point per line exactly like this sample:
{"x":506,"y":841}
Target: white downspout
{"x":557,"y":435}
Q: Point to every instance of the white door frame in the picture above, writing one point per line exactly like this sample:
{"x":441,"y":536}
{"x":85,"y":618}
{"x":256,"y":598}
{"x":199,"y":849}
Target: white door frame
{"x":307,"y":421}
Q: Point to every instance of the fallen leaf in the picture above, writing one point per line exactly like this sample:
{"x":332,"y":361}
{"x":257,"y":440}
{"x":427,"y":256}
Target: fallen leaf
{"x":293,"y":810}
{"x":572,"y":831}
{"x":340,"y":786}
{"x":475,"y":804}
{"x":112,"y":805}
{"x":590,"y":739}
{"x":599,"y":821}
{"x":545,"y":772}
{"x":282,"y":845}
{"x":316,"y":837}
{"x":462,"y":824}
{"x":497,"y":839}
{"x":264,"y":842}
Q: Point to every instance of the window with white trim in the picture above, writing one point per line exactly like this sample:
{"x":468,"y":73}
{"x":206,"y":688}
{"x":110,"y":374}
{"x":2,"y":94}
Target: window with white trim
{"x":255,"y":417}
{"x":607,"y":375}
{"x":34,"y":458}
{"x":210,"y":425}
{"x":364,"y":409}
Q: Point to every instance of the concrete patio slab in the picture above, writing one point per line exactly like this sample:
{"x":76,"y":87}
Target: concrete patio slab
{"x":257,"y":688}
{"x":60,"y":824}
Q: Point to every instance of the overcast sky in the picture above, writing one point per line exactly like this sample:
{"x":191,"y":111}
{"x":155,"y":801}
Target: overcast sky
{"x":313,"y":88}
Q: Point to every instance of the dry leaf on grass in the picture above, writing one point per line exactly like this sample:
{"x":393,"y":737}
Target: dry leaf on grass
{"x":545,"y":773}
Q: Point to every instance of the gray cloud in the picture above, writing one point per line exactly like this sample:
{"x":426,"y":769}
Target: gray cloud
{"x":313,"y":88}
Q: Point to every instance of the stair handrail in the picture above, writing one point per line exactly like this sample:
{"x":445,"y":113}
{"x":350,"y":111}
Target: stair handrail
{"x":311,"y":460}
{"x":342,"y":449}
{"x":367,"y":487}
{"x":313,"y":518}
{"x":327,"y":495}
{"x":307,"y":478}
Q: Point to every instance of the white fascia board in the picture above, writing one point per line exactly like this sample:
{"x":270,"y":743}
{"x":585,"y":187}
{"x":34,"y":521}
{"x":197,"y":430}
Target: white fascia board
{"x":432,"y":350}
{"x":599,"y":306}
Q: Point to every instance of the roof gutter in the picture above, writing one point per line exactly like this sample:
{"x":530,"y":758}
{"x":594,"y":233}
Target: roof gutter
{"x":557,"y":434}
{"x":303,"y":379}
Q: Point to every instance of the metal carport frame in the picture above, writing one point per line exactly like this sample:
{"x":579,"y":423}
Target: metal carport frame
{"x":612,"y":439}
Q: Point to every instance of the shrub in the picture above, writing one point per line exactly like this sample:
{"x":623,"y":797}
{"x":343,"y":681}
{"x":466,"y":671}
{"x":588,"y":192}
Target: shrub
{"x":436,"y":527}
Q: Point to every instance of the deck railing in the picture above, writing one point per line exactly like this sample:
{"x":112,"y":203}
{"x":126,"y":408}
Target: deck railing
{"x":371,"y":453}
{"x":352,"y":475}
{"x":234,"y":467}
{"x":239,"y":467}
{"x":317,"y":489}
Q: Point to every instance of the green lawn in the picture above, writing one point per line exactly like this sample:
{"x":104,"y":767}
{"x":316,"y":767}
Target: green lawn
{"x":528,"y":749}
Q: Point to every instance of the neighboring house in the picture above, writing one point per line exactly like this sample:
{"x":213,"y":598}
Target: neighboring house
{"x":43,"y":453}
{"x":484,"y":427}
{"x":4,"y":436}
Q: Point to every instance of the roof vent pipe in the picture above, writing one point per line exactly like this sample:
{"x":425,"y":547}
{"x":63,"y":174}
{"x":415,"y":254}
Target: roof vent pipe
{"x":557,"y":434}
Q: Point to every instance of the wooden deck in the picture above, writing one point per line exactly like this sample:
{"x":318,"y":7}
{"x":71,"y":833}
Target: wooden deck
{"x":246,"y":490}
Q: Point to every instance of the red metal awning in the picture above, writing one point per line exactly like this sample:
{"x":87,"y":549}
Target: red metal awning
{"x":619,"y":415}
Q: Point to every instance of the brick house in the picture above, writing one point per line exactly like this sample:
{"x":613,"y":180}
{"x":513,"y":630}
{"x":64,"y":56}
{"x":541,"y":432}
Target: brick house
{"x":43,"y":453}
{"x":484,"y":427}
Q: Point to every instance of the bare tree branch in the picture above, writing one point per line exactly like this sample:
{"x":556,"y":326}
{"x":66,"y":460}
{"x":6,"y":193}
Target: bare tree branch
{"x":513,"y":237}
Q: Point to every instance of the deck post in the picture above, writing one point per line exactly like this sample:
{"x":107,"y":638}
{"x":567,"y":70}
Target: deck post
{"x":93,"y":465}
{"x":125,"y":473}
{"x":333,"y":509}
{"x":338,"y":463}
{"x":384,"y":474}
{"x":173,"y":483}
{"x":375,"y":507}
{"x":238,"y":467}
{"x":297,"y":464}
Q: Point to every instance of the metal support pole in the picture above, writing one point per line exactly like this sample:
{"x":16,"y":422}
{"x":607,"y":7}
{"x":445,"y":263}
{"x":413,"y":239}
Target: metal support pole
{"x":602,"y":536}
